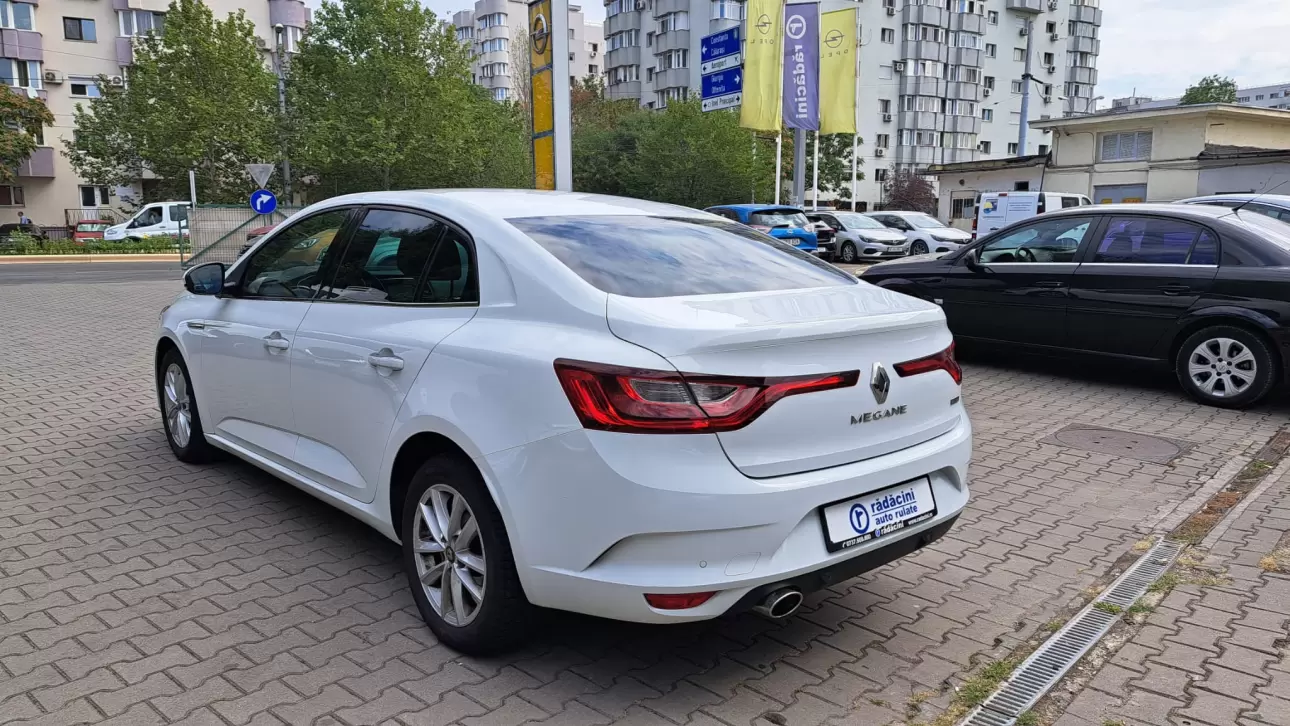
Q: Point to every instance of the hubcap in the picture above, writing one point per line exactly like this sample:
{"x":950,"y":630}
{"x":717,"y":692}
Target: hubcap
{"x":179,"y":417}
{"x":848,"y":253}
{"x":1222,"y":367}
{"x":450,"y":554}
{"x":920,"y":248}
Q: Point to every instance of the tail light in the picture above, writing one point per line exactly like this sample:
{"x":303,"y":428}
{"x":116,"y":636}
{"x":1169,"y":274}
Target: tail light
{"x":942,"y":361}
{"x":683,"y":601}
{"x":613,"y":398}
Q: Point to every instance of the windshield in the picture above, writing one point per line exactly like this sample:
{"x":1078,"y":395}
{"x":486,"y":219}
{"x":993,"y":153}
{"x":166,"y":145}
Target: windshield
{"x":88,"y":227}
{"x":641,"y":256}
{"x":859,"y":221}
{"x":777,"y":217}
{"x":1272,"y":230}
{"x":922,"y":221}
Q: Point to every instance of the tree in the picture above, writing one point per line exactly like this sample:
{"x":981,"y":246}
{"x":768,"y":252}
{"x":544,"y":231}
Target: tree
{"x":835,"y":165}
{"x":1210,"y":89}
{"x":199,"y":97}
{"x":380,"y":97}
{"x":23,"y":119}
{"x":906,"y":191}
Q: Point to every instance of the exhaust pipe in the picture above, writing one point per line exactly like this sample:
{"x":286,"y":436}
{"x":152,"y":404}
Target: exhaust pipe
{"x":780,"y":603}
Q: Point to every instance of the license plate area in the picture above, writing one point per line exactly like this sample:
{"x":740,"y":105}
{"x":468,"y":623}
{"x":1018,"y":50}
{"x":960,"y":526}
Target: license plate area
{"x":857,"y":520}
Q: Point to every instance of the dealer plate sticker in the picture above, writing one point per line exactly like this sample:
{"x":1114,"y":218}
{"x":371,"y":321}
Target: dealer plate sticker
{"x":877,"y":514}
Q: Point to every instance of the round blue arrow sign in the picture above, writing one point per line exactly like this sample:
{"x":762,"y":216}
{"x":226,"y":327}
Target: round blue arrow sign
{"x":263,"y":201}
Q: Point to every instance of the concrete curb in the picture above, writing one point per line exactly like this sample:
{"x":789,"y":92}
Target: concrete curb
{"x":55,"y":259}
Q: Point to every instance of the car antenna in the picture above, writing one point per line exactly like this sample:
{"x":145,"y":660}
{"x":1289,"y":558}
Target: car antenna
{"x":1263,"y":193}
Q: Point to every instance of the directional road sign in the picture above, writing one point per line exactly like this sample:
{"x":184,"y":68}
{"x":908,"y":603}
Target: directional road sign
{"x":723,"y":89}
{"x":263,"y":201}
{"x":719,"y":45}
{"x":721,"y":66}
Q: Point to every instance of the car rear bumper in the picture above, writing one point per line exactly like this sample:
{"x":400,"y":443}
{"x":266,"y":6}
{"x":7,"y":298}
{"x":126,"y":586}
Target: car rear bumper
{"x":597,"y":520}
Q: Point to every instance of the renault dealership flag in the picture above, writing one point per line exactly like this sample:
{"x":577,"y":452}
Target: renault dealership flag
{"x":838,"y":72}
{"x":802,"y":66}
{"x":762,"y":58}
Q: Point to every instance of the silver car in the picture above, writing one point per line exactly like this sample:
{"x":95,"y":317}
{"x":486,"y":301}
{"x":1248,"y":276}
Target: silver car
{"x":1276,"y":206}
{"x":858,"y":237}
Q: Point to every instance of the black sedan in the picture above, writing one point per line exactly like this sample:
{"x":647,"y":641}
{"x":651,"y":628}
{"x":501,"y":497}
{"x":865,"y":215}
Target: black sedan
{"x":1205,"y":290}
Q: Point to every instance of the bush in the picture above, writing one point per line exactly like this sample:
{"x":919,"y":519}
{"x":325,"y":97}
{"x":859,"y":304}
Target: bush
{"x":24,"y":244}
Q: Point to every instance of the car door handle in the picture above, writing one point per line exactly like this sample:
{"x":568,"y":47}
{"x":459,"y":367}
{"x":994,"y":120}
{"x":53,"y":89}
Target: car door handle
{"x":1049,"y":283}
{"x":1174,"y":289}
{"x":385,"y":358}
{"x":275,"y":341}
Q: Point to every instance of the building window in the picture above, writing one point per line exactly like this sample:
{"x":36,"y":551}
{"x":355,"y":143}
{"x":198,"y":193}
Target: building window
{"x":884,"y":105}
{"x":616,"y":7}
{"x":669,"y":94}
{"x":1242,"y":99}
{"x":1043,"y":149}
{"x":1049,"y":60}
{"x":92,"y":196}
{"x":141,"y":22}
{"x":465,"y":33}
{"x":625,"y":39}
{"x":988,"y":82}
{"x":500,"y":94}
{"x":1012,"y":149}
{"x":674,"y":21}
{"x":82,"y":87}
{"x":991,"y":50}
{"x":930,"y":33}
{"x":1050,"y":27}
{"x":649,"y":73}
{"x":491,"y":20}
{"x":493,"y":45}
{"x":593,"y":69}
{"x":1017,"y":86}
{"x":79,"y":29}
{"x":962,"y":208}
{"x":727,"y":10}
{"x":1259,"y":97}
{"x":11,"y":196}
{"x":493,"y":70}
{"x":888,"y":35}
{"x":882,"y":141}
{"x":1128,"y":146}
{"x":992,"y":17}
{"x":880,"y":175}
{"x":1019,"y":54}
{"x":987,"y":114}
{"x":673,"y":59}
{"x":965,"y":74}
{"x":20,"y":74}
{"x":984,"y":146}
{"x":17,"y":15}
{"x":624,"y":74}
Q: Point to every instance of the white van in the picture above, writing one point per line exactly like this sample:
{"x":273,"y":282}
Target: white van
{"x":996,"y":210}
{"x":152,"y":220}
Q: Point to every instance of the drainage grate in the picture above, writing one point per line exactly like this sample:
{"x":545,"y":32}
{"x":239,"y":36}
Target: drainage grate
{"x":1058,"y":654}
{"x":1127,"y":444}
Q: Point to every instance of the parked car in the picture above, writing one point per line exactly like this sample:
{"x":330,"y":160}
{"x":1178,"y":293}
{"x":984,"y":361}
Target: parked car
{"x":859,"y":237}
{"x":152,"y":220}
{"x":587,"y":403}
{"x":1202,"y":289}
{"x":1276,"y":206}
{"x":823,"y":237}
{"x":996,"y":210}
{"x":8,"y":229}
{"x":255,"y":235}
{"x":785,"y":223}
{"x":90,"y":230}
{"x":924,"y":232}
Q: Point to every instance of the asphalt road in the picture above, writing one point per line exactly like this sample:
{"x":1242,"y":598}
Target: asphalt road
{"x":88,"y":272}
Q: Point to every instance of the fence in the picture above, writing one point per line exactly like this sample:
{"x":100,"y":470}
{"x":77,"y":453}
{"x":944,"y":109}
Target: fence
{"x":218,"y":232}
{"x":79,"y":214}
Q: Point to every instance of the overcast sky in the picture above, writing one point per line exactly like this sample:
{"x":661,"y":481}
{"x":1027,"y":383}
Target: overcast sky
{"x":1158,"y":47}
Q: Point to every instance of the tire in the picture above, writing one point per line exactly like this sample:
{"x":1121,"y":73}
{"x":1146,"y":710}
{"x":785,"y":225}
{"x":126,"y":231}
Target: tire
{"x":848,"y":253}
{"x":1242,"y":368}
{"x":179,"y":415}
{"x":502,"y":615}
{"x":919,"y":247}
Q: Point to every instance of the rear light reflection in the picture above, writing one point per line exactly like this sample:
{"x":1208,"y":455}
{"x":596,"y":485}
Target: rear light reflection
{"x":942,"y":361}
{"x":683,"y":601}
{"x":614,"y":398}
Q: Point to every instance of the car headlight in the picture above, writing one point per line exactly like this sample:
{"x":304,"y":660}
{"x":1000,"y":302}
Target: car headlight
{"x":943,"y":238}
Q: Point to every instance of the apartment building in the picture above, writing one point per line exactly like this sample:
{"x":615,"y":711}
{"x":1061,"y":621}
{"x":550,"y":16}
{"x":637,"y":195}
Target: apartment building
{"x":1275,"y":96}
{"x":493,"y":30}
{"x":940,"y":80}
{"x":57,"y":49}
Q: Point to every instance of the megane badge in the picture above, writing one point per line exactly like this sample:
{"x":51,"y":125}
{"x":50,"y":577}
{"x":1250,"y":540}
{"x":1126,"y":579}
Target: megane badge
{"x":880,"y":383}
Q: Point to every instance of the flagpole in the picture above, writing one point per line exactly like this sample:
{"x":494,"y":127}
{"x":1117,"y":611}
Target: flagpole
{"x":855,"y":138}
{"x":855,"y":152}
{"x":779,"y":160}
{"x":815,"y":175}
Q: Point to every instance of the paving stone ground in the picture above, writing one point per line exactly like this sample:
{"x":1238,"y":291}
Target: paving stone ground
{"x":138,"y":590}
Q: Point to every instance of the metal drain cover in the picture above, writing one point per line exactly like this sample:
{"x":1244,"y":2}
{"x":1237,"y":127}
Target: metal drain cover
{"x":1119,"y":443}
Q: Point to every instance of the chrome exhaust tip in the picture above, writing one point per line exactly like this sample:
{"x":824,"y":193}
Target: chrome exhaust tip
{"x":780,"y":603}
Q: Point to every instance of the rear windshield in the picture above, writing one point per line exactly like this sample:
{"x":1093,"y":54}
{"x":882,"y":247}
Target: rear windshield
{"x":777,"y":217}
{"x":639,"y":256}
{"x":1272,"y":230}
{"x":91,"y":227}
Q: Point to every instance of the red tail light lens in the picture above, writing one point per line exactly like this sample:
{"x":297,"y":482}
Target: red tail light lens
{"x":613,"y":398}
{"x":942,"y":361}
{"x":683,"y":601}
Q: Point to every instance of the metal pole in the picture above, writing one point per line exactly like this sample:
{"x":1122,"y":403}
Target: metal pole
{"x":562,"y":95}
{"x":855,"y":162}
{"x":187,"y":222}
{"x":855,"y":138}
{"x":779,"y":163}
{"x":798,"y":196}
{"x":815,"y":175}
{"x":282,"y":109}
{"x":192,"y":186}
{"x":1025,"y":90}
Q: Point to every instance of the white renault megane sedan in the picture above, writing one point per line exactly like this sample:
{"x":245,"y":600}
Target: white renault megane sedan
{"x":620,"y":408}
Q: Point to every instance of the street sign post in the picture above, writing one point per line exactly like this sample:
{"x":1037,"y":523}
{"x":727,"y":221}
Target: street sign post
{"x":722,"y":70}
{"x":263,"y":201}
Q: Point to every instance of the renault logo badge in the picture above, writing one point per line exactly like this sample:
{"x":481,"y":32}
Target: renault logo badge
{"x":880,"y":383}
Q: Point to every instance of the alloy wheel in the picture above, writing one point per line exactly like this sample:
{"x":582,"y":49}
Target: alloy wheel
{"x":178,"y":405}
{"x":848,"y":252}
{"x":1222,"y":367}
{"x":449,"y":552}
{"x":918,"y":248}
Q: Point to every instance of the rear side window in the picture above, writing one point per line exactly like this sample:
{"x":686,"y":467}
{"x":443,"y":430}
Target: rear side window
{"x":1068,"y":202}
{"x":1155,"y":241}
{"x":640,"y":256}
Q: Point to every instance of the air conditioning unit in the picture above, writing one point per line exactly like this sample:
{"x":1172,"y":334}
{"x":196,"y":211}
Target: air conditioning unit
{"x":1048,"y":99}
{"x":1051,"y":70}
{"x":886,"y":117}
{"x":640,"y":4}
{"x":1052,"y":4}
{"x":898,"y":66}
{"x":879,"y":153}
{"x":261,"y":43}
{"x":1024,"y":30}
{"x":116,"y":81}
{"x":53,"y":76}
{"x":1055,"y":37}
{"x":985,"y":92}
{"x":891,"y":12}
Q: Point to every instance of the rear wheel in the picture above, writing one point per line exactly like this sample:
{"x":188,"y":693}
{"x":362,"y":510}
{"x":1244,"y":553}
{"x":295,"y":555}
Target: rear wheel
{"x":848,"y":252}
{"x":179,"y":411}
{"x":1226,"y":366}
{"x":458,"y":560}
{"x":919,"y":247}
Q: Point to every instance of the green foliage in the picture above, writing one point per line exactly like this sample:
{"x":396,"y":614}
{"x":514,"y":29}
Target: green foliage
{"x":22,"y":119}
{"x":199,"y":97}
{"x":908,"y":192}
{"x":1107,"y":607}
{"x":380,"y":97}
{"x":24,"y":244}
{"x":835,"y":164}
{"x":1028,"y":718}
{"x":1210,"y":89}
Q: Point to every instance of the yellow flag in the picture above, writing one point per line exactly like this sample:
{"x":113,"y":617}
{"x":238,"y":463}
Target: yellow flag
{"x":763,"y":65}
{"x":838,"y":72}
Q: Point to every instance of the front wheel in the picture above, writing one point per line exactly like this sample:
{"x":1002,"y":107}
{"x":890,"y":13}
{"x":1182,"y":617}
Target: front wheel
{"x":458,"y":560}
{"x":848,"y":252}
{"x":179,"y":411}
{"x":1226,"y":366}
{"x":918,"y":248}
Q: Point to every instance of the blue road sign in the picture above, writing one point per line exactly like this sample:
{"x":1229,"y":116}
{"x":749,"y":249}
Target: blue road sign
{"x":719,"y":45}
{"x":263,"y":201}
{"x":723,"y":83}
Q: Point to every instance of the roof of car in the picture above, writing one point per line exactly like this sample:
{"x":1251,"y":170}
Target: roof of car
{"x":897,"y":213}
{"x":756,"y":207}
{"x":1279,"y":200}
{"x":1186,"y":210}
{"x":513,"y":203}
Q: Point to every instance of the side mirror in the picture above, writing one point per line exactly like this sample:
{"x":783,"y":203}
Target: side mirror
{"x":973,"y":260}
{"x":207,"y":279}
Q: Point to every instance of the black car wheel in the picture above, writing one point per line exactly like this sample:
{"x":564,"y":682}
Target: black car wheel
{"x":848,"y":253}
{"x":1226,"y":366}
{"x":179,"y":413}
{"x":918,"y":248}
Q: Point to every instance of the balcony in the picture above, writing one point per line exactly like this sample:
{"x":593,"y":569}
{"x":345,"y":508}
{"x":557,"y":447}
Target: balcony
{"x":970,"y":57}
{"x":962,"y":124}
{"x":967,"y":22}
{"x":1076,"y":74}
{"x":663,"y":7}
{"x":925,"y":14}
{"x":40,"y":165}
{"x":125,"y":51}
{"x":621,"y":91}
{"x":1085,"y":14}
{"x":963,"y":91}
{"x":912,"y":50}
{"x":671,"y":40}
{"x":623,"y":21}
{"x":626,"y":56}
{"x":921,"y":155}
{"x":156,"y":6}
{"x":1027,"y":6}
{"x":924,"y":120}
{"x":672,"y":78}
{"x":719,"y":24}
{"x":21,"y":44}
{"x":921,"y":86}
{"x":1084,"y":45}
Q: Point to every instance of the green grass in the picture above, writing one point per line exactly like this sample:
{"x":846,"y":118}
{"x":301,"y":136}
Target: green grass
{"x":1107,"y":607}
{"x":1166,"y":583}
{"x":1140,"y":608}
{"x":1028,"y":718}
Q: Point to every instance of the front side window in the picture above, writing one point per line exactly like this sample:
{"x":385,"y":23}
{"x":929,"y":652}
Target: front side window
{"x":403,"y":257}
{"x":1155,"y":241}
{"x":1053,"y":240}
{"x":646,"y":257}
{"x":288,"y":266}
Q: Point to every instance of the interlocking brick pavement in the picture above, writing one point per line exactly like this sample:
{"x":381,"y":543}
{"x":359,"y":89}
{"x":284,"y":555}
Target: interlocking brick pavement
{"x":135,"y":589}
